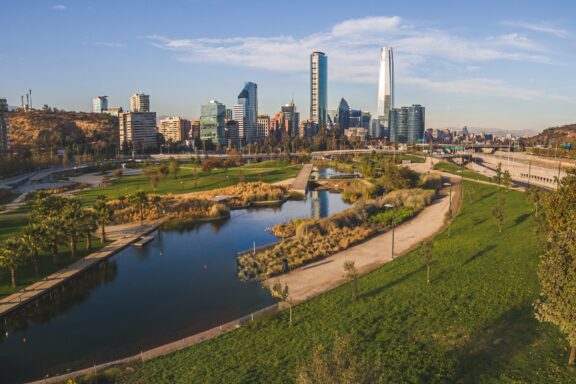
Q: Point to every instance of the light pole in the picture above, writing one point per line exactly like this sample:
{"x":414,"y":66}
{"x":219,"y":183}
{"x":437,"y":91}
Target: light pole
{"x":393,"y":224}
{"x":449,"y":185}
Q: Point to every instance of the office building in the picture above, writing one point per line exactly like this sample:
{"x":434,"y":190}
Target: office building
{"x":407,"y":124}
{"x":174,"y":129}
{"x":309,"y":128}
{"x":194,"y":130}
{"x":385,"y":85}
{"x":246,"y":113}
{"x":139,"y":102}
{"x":138,"y":130}
{"x":232,"y":133}
{"x":4,"y":128}
{"x":318,"y":88}
{"x":291,"y":119}
{"x":263,"y":126}
{"x":212,"y":117}
{"x":343,"y":117}
{"x":113,"y":111}
{"x":99,"y":104}
{"x":229,"y":115}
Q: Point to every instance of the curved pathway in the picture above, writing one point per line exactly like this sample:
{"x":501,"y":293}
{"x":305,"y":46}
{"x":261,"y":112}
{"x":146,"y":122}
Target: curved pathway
{"x":326,"y":274}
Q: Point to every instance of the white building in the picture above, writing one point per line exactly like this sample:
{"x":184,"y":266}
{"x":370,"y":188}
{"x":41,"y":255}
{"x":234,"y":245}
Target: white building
{"x":386,"y":85}
{"x":140,"y":102}
{"x":138,"y":129}
{"x":99,"y":104}
{"x":263,"y":126}
{"x":174,"y":129}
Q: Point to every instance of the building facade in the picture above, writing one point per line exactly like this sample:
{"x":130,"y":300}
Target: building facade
{"x":291,"y":119}
{"x":174,"y":129}
{"x":4,"y":127}
{"x":140,"y":102}
{"x":138,"y":130}
{"x":99,"y":104}
{"x":407,"y":124}
{"x":232,"y":133}
{"x":212,"y":117}
{"x":318,"y":88}
{"x":263,"y":126}
{"x":248,"y":99}
{"x":343,"y":116}
{"x":386,"y":85}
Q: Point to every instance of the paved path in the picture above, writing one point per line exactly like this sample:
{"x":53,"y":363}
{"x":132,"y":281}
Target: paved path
{"x":301,"y":182}
{"x":326,"y":274}
{"x":42,"y":287}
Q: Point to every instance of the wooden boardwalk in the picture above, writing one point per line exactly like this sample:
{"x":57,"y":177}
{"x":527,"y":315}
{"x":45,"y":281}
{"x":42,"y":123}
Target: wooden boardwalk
{"x":300,"y":184}
{"x":42,"y":287}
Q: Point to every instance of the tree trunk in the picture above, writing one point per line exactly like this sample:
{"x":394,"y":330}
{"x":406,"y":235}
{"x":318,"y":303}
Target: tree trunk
{"x":290,"y":314}
{"x":55,"y":252}
{"x":572,"y":358}
{"x":73,"y":245}
{"x":36,"y":262}
{"x":428,"y":273}
{"x":13,"y":277}
{"x":88,"y":240}
{"x":103,"y":231}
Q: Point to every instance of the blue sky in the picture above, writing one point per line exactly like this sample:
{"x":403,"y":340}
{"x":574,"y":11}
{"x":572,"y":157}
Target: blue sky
{"x":485,"y":64}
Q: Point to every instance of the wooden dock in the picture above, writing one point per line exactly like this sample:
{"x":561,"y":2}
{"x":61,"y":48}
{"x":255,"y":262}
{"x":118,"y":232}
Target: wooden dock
{"x":300,"y":184}
{"x":42,"y":287}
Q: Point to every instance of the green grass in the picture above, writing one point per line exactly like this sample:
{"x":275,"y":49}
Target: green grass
{"x":473,"y":324}
{"x":267,"y":171}
{"x":456,"y":170}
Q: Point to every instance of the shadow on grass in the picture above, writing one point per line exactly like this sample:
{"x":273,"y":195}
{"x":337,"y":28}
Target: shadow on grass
{"x":391,"y":284}
{"x":481,"y":252}
{"x":522,"y":218}
{"x":487,"y":353}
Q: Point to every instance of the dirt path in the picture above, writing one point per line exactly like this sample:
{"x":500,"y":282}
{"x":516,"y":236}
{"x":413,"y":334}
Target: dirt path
{"x":324,"y":275}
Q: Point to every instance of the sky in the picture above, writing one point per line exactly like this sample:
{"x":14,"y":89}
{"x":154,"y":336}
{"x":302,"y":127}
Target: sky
{"x":507,"y":65}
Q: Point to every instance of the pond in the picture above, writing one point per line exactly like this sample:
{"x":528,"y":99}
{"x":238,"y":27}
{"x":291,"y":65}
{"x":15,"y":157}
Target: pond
{"x":181,"y":283}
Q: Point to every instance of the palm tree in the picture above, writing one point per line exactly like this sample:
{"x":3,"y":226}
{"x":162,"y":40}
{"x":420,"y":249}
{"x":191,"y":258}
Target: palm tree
{"x":53,"y":232}
{"x":32,"y":240}
{"x":139,"y":201}
{"x":12,"y":254}
{"x":88,"y":226}
{"x":156,"y":202}
{"x":72,"y":216}
{"x":103,"y":214}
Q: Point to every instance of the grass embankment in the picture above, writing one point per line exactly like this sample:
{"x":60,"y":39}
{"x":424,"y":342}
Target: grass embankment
{"x":267,"y":171}
{"x":473,"y":324}
{"x":459,"y":171}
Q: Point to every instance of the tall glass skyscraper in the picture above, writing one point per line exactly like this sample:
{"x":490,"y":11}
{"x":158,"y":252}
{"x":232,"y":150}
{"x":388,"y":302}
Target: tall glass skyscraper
{"x":318,"y":88}
{"x":212,"y":117}
{"x":385,"y":85}
{"x":249,"y":99}
{"x":343,"y":116}
{"x":407,"y":124}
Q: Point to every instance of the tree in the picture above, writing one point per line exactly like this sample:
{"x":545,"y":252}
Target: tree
{"x":557,"y":267}
{"x":139,"y":202}
{"x":32,"y":240}
{"x":351,"y":274}
{"x":163,"y":169}
{"x":72,"y":216}
{"x":156,"y":202}
{"x":426,"y":250}
{"x":88,"y":225}
{"x":343,"y":365}
{"x":499,"y":174}
{"x":174,"y":166}
{"x":507,"y":180}
{"x":53,"y":232}
{"x":196,"y":176}
{"x":498,"y":213}
{"x":103,"y":214}
{"x":283,"y":295}
{"x":449,"y":218}
{"x":12,"y":255}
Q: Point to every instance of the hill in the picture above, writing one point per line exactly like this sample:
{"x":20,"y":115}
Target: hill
{"x":59,"y":129}
{"x":553,"y":135}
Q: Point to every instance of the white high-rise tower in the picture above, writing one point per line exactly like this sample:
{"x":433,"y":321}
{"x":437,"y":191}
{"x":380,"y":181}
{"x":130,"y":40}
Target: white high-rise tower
{"x":385,"y":85}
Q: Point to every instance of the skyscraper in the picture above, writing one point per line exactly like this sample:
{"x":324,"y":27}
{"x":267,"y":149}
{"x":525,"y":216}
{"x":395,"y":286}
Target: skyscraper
{"x":138,"y":130}
{"x":291,"y":119}
{"x":99,"y":104}
{"x":318,"y":87}
{"x":139,"y":102}
{"x":263,"y":126}
{"x":385,"y":85}
{"x":407,"y":124}
{"x":343,"y":119}
{"x":212,"y":117}
{"x":4,"y":125}
{"x":248,"y":98}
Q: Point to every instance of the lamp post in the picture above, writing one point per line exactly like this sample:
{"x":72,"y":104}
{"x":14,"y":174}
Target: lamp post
{"x":393,"y":224}
{"x":449,"y":185}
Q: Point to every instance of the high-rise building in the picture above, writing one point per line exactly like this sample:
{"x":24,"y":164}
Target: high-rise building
{"x":248,"y":99}
{"x":4,"y":144}
{"x":114,"y":111}
{"x":212,"y":117}
{"x":229,"y":115}
{"x":407,"y":124}
{"x":263,"y":126}
{"x":138,"y":130}
{"x":99,"y":104}
{"x":318,"y":88}
{"x":231,"y":132}
{"x":174,"y":129}
{"x":291,"y":119}
{"x":139,"y":102}
{"x":343,"y":119}
{"x":385,"y":85}
{"x":194,"y":129}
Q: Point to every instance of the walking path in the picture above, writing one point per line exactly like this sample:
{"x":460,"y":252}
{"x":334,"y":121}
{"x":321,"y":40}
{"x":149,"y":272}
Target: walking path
{"x":326,"y":274}
{"x":301,"y":182}
{"x":126,"y":235}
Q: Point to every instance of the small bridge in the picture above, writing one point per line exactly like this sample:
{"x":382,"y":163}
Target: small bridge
{"x":300,"y":184}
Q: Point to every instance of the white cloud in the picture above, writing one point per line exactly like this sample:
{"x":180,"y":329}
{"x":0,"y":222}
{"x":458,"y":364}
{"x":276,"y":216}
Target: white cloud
{"x":544,"y":28}
{"x":353,"y":50}
{"x":59,"y":7}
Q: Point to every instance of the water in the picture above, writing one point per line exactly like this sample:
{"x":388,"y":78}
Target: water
{"x":182,"y":283}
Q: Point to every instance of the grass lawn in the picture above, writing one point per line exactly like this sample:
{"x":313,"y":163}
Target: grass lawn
{"x":456,"y":170}
{"x":267,"y":171}
{"x":473,"y":324}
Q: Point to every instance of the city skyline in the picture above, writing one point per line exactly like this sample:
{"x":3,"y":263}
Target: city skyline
{"x":508,"y":72}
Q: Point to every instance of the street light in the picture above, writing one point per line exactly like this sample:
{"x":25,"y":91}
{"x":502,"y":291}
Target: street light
{"x":449,"y":185}
{"x":393,"y":224}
